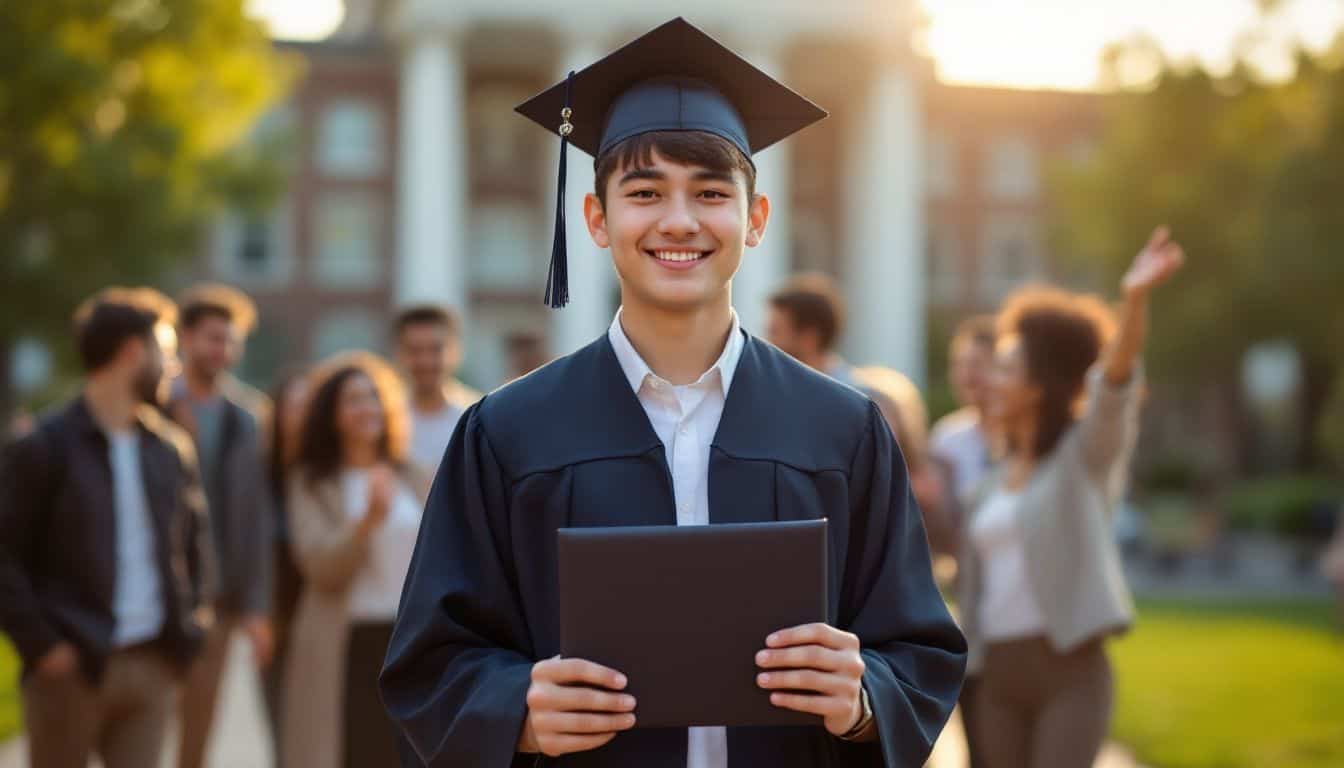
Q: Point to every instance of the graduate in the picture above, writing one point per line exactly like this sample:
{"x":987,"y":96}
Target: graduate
{"x":675,"y":416}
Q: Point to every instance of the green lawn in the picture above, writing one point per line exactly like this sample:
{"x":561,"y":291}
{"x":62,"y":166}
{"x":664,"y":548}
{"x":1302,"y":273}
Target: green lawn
{"x":9,"y":690}
{"x":1232,"y":685}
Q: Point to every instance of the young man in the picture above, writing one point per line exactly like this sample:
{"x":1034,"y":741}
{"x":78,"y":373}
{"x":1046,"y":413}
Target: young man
{"x":959,"y":439}
{"x":223,"y":416}
{"x":429,"y":352}
{"x":105,"y":549}
{"x":806,"y":319}
{"x":674,"y":417}
{"x":959,"y":444}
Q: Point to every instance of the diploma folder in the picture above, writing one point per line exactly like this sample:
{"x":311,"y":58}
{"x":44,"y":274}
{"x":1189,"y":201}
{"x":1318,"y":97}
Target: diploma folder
{"x":682,"y":610}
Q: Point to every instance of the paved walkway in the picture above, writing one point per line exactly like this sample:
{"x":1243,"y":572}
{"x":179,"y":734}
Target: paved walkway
{"x":242,"y":739}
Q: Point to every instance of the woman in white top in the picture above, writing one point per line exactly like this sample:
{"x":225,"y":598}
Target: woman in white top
{"x":1041,"y":583}
{"x":354,"y":506}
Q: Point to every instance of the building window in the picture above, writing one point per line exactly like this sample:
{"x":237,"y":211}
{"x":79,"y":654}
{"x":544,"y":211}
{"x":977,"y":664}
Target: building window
{"x":942,"y":166}
{"x":254,"y":250}
{"x":350,"y":142}
{"x":1011,"y":255}
{"x":347,"y":233}
{"x":505,"y":252}
{"x":503,"y":148}
{"x":346,"y":329}
{"x":1012,"y":170}
{"x":944,"y":263}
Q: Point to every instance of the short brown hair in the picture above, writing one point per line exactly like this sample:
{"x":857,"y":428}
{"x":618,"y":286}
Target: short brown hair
{"x":813,"y":302}
{"x":683,"y":147}
{"x":425,"y":314}
{"x":217,"y":300}
{"x":1062,"y":336}
{"x":109,"y":318}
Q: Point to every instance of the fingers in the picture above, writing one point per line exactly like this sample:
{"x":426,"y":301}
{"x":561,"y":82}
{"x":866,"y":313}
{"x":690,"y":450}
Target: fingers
{"x":814,"y":634}
{"x":812,"y":657}
{"x":810,"y":680}
{"x":1160,"y":236}
{"x":565,"y":698}
{"x":564,"y":743}
{"x":582,"y":723}
{"x":826,"y":706}
{"x":577,"y":672}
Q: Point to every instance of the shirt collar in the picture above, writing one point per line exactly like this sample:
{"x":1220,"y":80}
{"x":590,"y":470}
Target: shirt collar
{"x":636,"y":370}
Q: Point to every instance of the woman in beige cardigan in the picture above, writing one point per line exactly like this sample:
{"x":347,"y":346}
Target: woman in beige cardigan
{"x":354,"y":511}
{"x":1041,"y":583}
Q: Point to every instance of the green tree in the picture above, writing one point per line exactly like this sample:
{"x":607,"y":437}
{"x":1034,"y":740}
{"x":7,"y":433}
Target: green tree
{"x":122,"y":127}
{"x":1217,"y":158}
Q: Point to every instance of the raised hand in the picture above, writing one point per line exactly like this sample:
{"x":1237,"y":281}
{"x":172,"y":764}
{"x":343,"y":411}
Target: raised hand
{"x":1155,"y":264}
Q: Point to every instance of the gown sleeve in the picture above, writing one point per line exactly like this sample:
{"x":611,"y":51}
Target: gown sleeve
{"x":915,"y":655}
{"x":458,"y":666}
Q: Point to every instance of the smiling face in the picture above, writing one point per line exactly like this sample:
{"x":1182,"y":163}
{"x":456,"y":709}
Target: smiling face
{"x":676,"y":231}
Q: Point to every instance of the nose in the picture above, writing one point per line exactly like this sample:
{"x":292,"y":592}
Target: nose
{"x":678,"y":220}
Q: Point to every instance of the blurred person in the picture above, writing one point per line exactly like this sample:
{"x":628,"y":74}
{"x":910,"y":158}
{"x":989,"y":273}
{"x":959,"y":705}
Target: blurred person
{"x":1041,"y":581}
{"x":290,"y":396}
{"x":429,"y":352}
{"x":806,"y":319}
{"x":105,"y":552}
{"x":224,"y":418}
{"x":526,"y":353}
{"x":959,"y":438}
{"x":21,"y":422}
{"x":354,"y":505}
{"x":903,"y":408}
{"x":1332,"y":563}
{"x":960,"y":445}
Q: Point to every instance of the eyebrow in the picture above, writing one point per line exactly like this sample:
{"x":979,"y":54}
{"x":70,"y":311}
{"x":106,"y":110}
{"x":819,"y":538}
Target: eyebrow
{"x":653,"y":174}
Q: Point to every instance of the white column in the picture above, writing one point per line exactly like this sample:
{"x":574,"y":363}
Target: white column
{"x":432,"y":225}
{"x":592,"y":278}
{"x":884,"y":269}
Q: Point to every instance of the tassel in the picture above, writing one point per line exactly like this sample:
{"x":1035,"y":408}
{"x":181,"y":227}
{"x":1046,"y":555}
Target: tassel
{"x":557,"y":282}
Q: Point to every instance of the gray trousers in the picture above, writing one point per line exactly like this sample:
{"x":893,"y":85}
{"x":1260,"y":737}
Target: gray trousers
{"x":124,"y":720}
{"x":1036,"y":708}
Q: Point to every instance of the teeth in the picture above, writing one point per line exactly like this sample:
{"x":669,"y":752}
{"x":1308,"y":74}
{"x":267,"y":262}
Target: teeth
{"x":677,"y":255}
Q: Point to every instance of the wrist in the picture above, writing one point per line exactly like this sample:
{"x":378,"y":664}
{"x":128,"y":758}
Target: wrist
{"x":863,"y":722}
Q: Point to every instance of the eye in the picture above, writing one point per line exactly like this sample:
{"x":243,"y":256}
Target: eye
{"x":714,"y":194}
{"x":642,"y":194}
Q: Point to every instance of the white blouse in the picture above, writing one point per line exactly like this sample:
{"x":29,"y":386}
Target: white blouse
{"x":1008,"y":607}
{"x":376,"y":590}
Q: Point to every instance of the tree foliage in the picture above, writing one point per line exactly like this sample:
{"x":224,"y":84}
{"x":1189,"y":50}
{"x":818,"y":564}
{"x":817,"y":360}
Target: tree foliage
{"x":121,"y":128}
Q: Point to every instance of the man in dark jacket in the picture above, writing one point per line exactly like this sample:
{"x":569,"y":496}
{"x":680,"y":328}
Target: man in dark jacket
{"x":105,"y":549}
{"x":222,"y":415}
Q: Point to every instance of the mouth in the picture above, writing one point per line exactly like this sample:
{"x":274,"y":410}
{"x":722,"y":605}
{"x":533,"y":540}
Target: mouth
{"x":682,"y":258}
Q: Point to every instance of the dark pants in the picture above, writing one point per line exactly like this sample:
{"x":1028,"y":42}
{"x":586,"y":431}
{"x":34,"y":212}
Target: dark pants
{"x":123,"y":720}
{"x":968,"y":703}
{"x":1037,"y":708}
{"x":370,"y":737}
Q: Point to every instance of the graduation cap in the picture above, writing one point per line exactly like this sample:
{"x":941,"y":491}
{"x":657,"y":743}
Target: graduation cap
{"x":674,"y":78}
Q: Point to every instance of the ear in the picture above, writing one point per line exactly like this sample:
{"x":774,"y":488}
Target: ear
{"x":758,"y":214}
{"x":596,"y":218}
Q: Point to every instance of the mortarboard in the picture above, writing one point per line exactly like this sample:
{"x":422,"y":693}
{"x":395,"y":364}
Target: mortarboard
{"x":673,"y":78}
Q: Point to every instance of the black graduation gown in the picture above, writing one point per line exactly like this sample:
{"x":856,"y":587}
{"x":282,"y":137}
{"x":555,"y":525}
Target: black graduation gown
{"x":570,"y":445}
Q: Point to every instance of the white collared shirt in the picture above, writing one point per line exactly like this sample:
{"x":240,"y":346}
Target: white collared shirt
{"x":685,"y":419}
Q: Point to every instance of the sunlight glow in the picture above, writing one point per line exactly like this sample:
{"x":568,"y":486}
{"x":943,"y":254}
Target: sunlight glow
{"x":298,"y":19}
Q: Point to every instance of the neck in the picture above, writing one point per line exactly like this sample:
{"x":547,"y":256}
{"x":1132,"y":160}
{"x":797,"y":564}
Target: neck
{"x":1021,"y":452}
{"x":429,"y":400}
{"x":679,"y":346}
{"x":112,"y":404}
{"x":359,"y":454}
{"x":200,"y":386}
{"x":820,"y":361}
